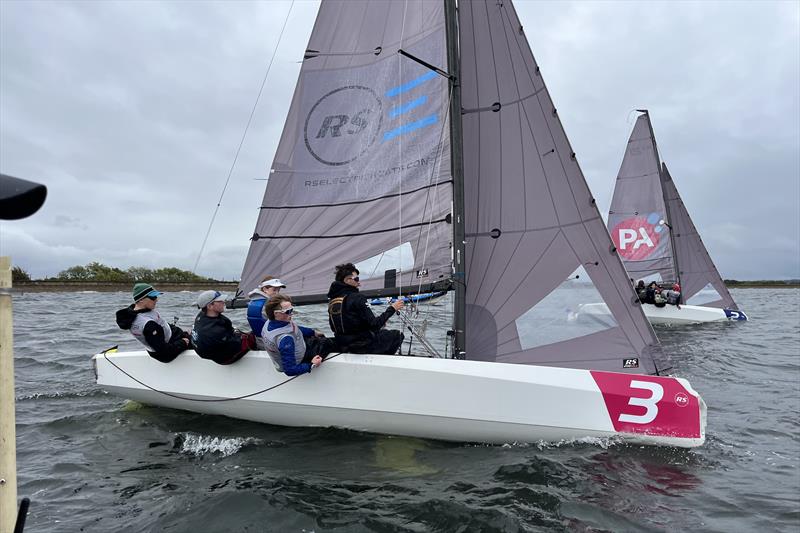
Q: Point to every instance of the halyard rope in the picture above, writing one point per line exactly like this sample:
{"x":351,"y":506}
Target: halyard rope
{"x":241,"y":142}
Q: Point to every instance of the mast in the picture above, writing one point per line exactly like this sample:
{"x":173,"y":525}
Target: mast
{"x":667,"y":215}
{"x":456,"y":162}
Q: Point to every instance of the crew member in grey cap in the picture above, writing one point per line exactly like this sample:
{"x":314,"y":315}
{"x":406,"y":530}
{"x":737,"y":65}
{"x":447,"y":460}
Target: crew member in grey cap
{"x":163,"y":341}
{"x":213,"y":335}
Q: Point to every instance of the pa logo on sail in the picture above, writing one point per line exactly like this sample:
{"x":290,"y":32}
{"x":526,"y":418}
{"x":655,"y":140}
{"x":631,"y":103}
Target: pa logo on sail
{"x":637,"y":237}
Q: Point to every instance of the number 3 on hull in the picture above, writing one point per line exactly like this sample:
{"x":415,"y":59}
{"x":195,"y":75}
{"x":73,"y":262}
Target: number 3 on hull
{"x":652,"y":405}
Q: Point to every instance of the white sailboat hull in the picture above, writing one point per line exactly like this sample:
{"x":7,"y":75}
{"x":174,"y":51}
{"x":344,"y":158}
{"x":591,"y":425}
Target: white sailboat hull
{"x":671,"y":315}
{"x":467,"y":401}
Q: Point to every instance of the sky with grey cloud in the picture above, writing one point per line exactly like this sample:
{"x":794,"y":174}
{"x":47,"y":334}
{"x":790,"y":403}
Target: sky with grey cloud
{"x":131,"y":113}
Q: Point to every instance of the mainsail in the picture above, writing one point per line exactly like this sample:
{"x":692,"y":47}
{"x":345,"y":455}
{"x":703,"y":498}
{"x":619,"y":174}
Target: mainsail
{"x":363,"y":172}
{"x":638,"y":209}
{"x":652,"y":228}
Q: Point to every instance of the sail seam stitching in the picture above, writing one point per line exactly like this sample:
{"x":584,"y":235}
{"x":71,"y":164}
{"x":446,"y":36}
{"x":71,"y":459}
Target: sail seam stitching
{"x":527,"y":230}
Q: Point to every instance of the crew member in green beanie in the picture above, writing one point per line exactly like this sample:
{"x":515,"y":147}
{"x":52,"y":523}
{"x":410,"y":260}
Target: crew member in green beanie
{"x":163,"y":341}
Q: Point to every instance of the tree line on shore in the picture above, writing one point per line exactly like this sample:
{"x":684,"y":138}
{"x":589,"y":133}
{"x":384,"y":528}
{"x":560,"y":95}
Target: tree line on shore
{"x":777,"y":282}
{"x":95,"y":271}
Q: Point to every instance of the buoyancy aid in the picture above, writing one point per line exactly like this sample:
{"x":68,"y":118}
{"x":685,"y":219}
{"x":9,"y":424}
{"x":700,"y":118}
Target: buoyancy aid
{"x":335,"y":317}
{"x":673,"y":297}
{"x":659,"y":300}
{"x":137,"y":328}
{"x":255,"y":315}
{"x":272,"y":340}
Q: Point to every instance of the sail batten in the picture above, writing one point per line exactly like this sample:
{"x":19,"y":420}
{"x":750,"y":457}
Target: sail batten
{"x":355,"y":202}
{"x":306,"y":235}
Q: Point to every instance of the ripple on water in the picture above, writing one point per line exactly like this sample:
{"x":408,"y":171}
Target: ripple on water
{"x":90,"y":461}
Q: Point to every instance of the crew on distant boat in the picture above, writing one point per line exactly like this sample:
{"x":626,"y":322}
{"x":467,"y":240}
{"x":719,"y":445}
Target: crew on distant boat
{"x":355,"y":327}
{"x":268,"y":288}
{"x":673,"y":295}
{"x":294,"y":349}
{"x":658,"y":296}
{"x":213,"y":335}
{"x":641,"y":291}
{"x":163,"y":341}
{"x":650,"y":293}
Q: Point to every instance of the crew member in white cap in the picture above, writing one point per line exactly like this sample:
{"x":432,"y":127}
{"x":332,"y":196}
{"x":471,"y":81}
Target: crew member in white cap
{"x":268,"y":288}
{"x":213,"y":335}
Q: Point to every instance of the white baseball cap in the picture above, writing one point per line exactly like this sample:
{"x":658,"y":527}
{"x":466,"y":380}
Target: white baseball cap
{"x":274,"y":282}
{"x":207,"y":297}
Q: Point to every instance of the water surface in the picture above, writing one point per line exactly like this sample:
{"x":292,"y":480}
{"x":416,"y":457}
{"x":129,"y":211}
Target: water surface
{"x":91,"y":461}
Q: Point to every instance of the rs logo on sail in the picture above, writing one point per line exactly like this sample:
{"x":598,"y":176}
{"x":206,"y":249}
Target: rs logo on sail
{"x":343,"y":125}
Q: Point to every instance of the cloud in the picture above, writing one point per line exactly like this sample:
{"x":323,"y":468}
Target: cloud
{"x":132,"y":113}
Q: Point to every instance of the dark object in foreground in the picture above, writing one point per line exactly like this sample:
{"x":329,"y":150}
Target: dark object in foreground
{"x":22,"y":515}
{"x":20,"y":198}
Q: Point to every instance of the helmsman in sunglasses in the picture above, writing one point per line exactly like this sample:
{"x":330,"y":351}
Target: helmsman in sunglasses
{"x":355,"y":327}
{"x":163,"y":341}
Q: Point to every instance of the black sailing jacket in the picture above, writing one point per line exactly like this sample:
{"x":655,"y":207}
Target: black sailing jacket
{"x":358,"y":321}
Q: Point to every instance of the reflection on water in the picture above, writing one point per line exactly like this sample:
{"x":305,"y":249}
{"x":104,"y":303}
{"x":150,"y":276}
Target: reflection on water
{"x":399,"y":455}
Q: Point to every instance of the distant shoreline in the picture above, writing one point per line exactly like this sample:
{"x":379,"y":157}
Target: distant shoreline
{"x":113,"y":286}
{"x":231,"y":286}
{"x":756,"y":285}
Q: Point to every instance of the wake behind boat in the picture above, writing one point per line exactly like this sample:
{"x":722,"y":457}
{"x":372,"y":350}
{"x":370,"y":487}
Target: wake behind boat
{"x":435,"y":160}
{"x":658,"y":241}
